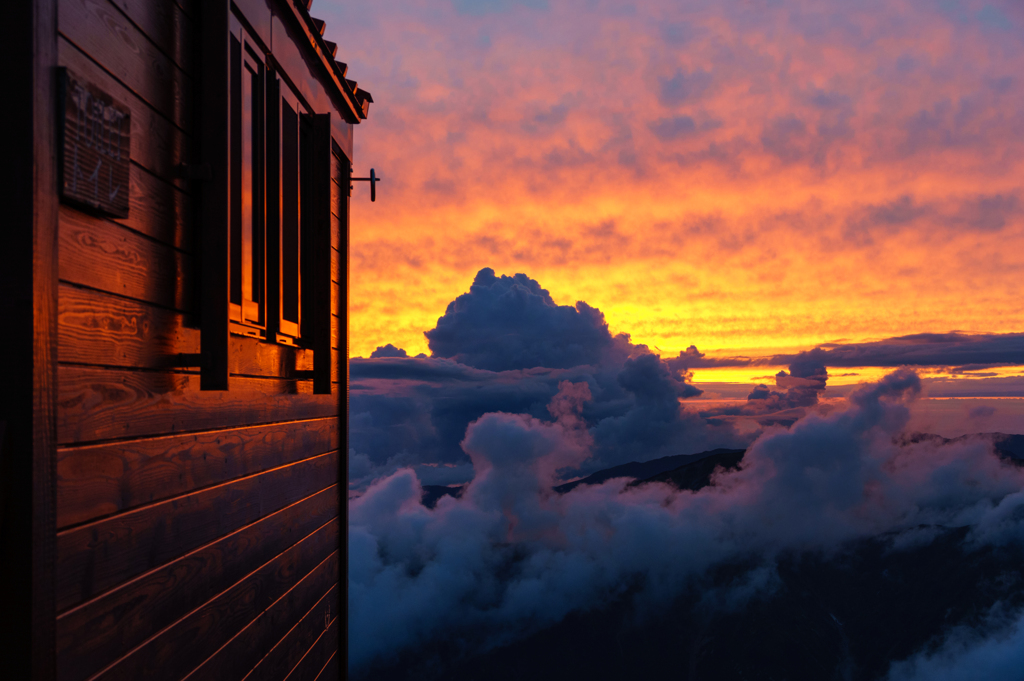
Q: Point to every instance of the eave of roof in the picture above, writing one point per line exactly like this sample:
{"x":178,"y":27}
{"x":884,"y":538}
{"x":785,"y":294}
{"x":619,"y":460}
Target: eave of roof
{"x":356,"y":100}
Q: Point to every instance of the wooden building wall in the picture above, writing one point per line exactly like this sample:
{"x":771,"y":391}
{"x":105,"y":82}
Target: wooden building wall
{"x":198,"y":532}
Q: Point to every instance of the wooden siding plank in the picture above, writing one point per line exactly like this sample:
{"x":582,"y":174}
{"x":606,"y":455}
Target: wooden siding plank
{"x":99,"y":480}
{"x":110,"y":404}
{"x":96,"y":557}
{"x":156,"y":143}
{"x":178,"y":649}
{"x":314,"y":597}
{"x":331,"y":669}
{"x":101,"y":329}
{"x":105,"y":330}
{"x":102,"y":32}
{"x":313,"y":662}
{"x":95,"y":634}
{"x":100,"y":254}
{"x":165,"y":25}
{"x":288,"y":651}
{"x":158,"y":209}
{"x":250,"y":357}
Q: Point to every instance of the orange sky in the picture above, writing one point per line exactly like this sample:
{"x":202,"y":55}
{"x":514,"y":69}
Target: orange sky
{"x":745,"y":176}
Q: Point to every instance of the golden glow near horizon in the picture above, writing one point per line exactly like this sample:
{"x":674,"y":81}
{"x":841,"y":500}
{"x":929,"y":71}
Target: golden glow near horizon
{"x":777,"y":177}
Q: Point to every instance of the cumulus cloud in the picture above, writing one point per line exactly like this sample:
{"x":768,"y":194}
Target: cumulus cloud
{"x":511,"y":556}
{"x":388,"y":350}
{"x":505,"y":346}
{"x":507,"y":323}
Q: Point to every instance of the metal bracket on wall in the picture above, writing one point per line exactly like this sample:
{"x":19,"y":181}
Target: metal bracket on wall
{"x":373,"y":180}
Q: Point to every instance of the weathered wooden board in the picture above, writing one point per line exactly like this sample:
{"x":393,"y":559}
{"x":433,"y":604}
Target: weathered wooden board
{"x":166,"y":26}
{"x":96,"y":404}
{"x":177,"y":650}
{"x":100,"y":254}
{"x":95,"y":634}
{"x":106,"y":330}
{"x":314,"y":597}
{"x":103,"y":33}
{"x":99,"y":480}
{"x":251,"y":357}
{"x":159,"y":210}
{"x":289,"y":650}
{"x":317,"y":657}
{"x":98,"y":556}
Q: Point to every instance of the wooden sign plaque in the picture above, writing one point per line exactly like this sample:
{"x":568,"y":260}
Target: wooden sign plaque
{"x":95,"y":147}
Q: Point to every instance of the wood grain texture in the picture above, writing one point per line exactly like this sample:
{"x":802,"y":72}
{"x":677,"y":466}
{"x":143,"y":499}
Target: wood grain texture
{"x":318,"y":655}
{"x":186,"y":644}
{"x":105,"y":330}
{"x":101,"y":254}
{"x":101,"y":480}
{"x":313,"y":600}
{"x":166,"y":26}
{"x":95,"y":557}
{"x":95,"y":404}
{"x":95,"y":634}
{"x":159,"y":210}
{"x":101,"y":31}
{"x":285,"y":654}
{"x":251,"y":357}
{"x":101,"y":329}
{"x":156,"y":143}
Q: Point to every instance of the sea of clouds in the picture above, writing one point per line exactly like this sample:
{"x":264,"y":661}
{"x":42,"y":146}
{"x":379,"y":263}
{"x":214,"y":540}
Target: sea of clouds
{"x":522,"y":394}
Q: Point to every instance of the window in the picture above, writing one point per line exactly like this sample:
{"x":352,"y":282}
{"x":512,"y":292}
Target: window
{"x":293,"y":140}
{"x":248,"y":208}
{"x":266,"y":217}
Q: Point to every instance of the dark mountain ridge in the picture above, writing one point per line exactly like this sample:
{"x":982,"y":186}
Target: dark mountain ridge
{"x":694,"y":471}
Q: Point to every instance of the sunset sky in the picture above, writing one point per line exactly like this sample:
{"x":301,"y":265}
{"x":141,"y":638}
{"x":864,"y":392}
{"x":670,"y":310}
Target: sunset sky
{"x":750,"y":177}
{"x":807,"y":215}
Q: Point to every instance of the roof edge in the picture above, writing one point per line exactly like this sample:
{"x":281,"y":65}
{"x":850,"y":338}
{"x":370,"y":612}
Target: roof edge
{"x":357,"y":101}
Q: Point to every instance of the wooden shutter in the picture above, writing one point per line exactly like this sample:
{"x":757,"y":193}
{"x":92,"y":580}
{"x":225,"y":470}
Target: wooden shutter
{"x":214,"y":209}
{"x":319,"y":253}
